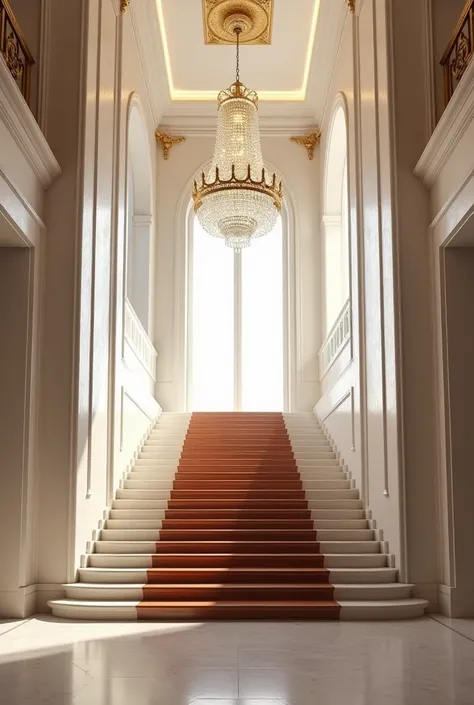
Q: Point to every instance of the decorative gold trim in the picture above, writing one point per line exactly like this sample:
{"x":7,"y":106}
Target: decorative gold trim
{"x":309,"y":141}
{"x":167,"y":142}
{"x":272,"y":189}
{"x":254,"y":17}
{"x":237,"y":90}
{"x":351,"y":5}
{"x":124,"y":5}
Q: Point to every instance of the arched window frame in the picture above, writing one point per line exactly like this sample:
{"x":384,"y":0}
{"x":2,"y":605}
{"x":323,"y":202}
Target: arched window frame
{"x":336,"y":209}
{"x":139,"y":215}
{"x":183,"y":228}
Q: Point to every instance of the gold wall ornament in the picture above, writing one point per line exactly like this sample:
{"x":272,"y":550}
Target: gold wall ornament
{"x":351,"y":5}
{"x":124,"y":5}
{"x":221,"y":17}
{"x":167,"y":142}
{"x":309,"y":141}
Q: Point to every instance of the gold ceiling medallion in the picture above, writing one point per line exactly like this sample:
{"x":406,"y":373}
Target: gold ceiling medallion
{"x":309,"y":141}
{"x":253,"y":17}
{"x":167,"y":141}
{"x":124,"y":4}
{"x":351,"y":5}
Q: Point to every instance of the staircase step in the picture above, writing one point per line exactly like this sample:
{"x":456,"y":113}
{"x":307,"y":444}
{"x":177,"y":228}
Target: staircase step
{"x":194,"y":576}
{"x":345,"y":610}
{"x":235,"y":522}
{"x":144,"y":473}
{"x":207,"y":560}
{"x":248,"y":590}
{"x":334,"y":516}
{"x":234,"y":573}
{"x":239,"y":534}
{"x":211,"y":503}
{"x":204,"y":535}
{"x":186,"y":611}
{"x":204,"y":592}
{"x":203,"y":560}
{"x":211,"y":524}
{"x":309,"y":546}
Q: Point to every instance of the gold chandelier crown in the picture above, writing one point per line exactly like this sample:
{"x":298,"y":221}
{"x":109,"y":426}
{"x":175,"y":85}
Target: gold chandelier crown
{"x":274,"y":188}
{"x":237,"y":90}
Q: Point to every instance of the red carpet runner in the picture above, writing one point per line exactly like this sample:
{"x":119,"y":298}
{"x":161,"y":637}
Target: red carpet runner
{"x":238,"y":530}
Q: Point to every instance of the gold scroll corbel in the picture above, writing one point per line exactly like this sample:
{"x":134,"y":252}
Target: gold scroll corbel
{"x":167,"y":142}
{"x":309,"y":142}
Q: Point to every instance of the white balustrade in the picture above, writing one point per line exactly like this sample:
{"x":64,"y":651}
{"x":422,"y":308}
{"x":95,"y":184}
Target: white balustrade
{"x":137,"y":338}
{"x":336,"y":341}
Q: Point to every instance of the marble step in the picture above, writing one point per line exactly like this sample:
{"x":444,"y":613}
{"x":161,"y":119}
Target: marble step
{"x":209,"y":504}
{"x":154,"y":523}
{"x":336,"y":516}
{"x":242,"y":546}
{"x":243,"y":495}
{"x":229,"y":591}
{"x":250,"y":534}
{"x":121,"y":560}
{"x":347,"y":610}
{"x":337,"y":576}
{"x":202,"y":483}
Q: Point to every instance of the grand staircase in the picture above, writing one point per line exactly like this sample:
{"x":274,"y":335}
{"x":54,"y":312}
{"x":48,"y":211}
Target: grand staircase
{"x":237,"y":516}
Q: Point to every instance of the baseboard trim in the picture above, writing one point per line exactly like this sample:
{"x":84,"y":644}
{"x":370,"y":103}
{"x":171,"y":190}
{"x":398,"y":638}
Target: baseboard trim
{"x":18,"y":604}
{"x":456,"y":602}
{"x":28,"y":600}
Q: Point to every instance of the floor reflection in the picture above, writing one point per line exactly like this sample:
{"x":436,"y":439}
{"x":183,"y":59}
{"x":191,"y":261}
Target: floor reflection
{"x":48,"y":662}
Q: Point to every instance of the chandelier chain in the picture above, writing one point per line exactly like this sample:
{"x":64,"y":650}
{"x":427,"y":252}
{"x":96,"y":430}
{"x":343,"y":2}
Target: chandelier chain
{"x":237,"y":71}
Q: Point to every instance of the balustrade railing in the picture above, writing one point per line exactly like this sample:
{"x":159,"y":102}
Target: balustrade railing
{"x":137,"y":337}
{"x":459,"y":52}
{"x":14,"y":49}
{"x":338,"y":337}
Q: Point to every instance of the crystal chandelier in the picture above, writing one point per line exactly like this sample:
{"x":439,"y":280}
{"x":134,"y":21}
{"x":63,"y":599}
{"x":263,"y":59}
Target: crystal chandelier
{"x":238,"y":200}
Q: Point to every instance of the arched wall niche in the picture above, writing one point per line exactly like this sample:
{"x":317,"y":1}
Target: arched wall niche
{"x":139,"y":213}
{"x":335,"y":220}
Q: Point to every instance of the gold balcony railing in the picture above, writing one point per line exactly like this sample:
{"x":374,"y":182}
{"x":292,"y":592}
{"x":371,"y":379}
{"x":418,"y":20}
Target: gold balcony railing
{"x":14,"y":49}
{"x":460,"y":50}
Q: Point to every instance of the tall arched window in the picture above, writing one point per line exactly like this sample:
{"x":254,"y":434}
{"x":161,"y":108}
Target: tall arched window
{"x":139,"y":218}
{"x":237,"y":334}
{"x":336,"y":253}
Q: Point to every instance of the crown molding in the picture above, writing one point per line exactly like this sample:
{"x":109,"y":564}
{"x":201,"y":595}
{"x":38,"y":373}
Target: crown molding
{"x":20,"y":122}
{"x":205,"y":126}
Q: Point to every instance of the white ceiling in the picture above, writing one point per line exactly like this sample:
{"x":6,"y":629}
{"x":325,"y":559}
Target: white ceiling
{"x":277,"y":72}
{"x":292,"y":76}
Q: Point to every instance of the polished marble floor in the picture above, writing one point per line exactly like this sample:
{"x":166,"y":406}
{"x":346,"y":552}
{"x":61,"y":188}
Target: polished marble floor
{"x":47,"y":662}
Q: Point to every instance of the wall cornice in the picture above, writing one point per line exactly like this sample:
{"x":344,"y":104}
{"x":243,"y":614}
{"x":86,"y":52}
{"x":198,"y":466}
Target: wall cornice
{"x":206,"y":125}
{"x":24,"y":129}
{"x":449,"y":130}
